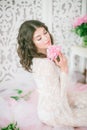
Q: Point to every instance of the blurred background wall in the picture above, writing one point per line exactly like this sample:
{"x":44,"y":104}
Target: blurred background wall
{"x":58,"y":15}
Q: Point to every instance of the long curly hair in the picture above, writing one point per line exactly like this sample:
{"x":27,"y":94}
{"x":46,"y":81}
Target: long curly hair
{"x":26,"y":47}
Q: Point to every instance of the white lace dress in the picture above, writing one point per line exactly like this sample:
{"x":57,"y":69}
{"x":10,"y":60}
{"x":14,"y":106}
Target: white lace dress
{"x":59,"y":103}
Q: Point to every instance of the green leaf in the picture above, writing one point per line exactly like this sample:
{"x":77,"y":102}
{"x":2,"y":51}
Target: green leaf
{"x":19,"y":91}
{"x":3,"y":128}
{"x":11,"y":126}
{"x":81,"y":30}
{"x":15,"y":97}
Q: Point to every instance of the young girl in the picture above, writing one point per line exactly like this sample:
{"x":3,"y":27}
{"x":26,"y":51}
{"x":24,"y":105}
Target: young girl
{"x":59,"y":103}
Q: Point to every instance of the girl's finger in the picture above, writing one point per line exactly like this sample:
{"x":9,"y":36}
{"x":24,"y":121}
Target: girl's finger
{"x":61,"y":56}
{"x":57,"y":62}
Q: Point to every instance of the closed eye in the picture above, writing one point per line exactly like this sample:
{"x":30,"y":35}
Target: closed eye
{"x":39,"y":39}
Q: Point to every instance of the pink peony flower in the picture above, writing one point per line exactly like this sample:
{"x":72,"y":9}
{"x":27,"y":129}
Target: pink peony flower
{"x":85,"y":18}
{"x":80,"y":21}
{"x":53,"y":51}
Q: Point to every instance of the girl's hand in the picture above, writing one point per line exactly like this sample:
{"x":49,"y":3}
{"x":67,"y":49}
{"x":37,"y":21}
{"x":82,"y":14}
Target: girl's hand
{"x":62,"y":63}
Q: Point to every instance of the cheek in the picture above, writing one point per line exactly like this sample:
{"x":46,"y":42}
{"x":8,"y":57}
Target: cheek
{"x":41,"y":45}
{"x":38,"y":44}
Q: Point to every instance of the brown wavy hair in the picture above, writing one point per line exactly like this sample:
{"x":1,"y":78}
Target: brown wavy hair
{"x":26,"y":47}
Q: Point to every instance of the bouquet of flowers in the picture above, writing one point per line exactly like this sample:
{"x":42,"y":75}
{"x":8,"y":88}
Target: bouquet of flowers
{"x":80,"y":28}
{"x":53,"y":52}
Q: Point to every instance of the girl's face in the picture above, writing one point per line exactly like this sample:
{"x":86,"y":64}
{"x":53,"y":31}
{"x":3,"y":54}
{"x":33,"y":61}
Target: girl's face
{"x":41,"y":39}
